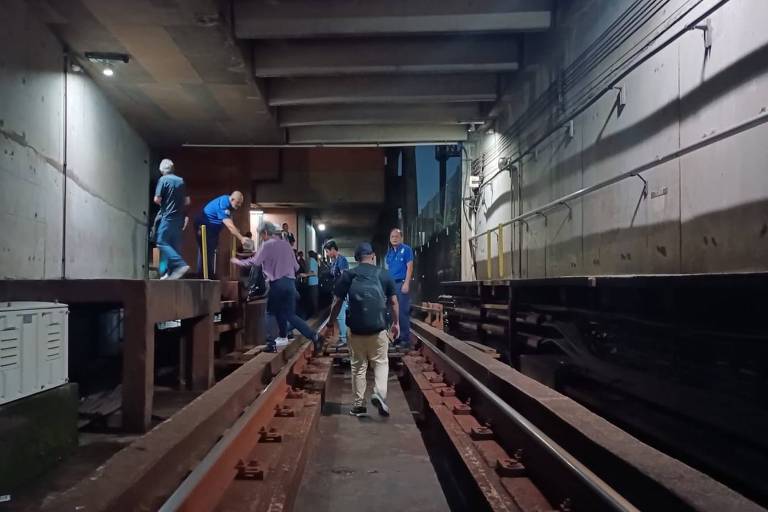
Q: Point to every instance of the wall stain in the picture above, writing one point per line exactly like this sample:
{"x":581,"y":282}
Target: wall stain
{"x":764,"y":230}
{"x":77,"y":181}
{"x":661,"y":250}
{"x":21,"y":140}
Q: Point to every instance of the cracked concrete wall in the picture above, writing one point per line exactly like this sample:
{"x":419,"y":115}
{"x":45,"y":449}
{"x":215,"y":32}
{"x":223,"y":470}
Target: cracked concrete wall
{"x":107,"y":165}
{"x":704,"y":212}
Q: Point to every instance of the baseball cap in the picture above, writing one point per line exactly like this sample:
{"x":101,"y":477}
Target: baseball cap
{"x":364,"y":249}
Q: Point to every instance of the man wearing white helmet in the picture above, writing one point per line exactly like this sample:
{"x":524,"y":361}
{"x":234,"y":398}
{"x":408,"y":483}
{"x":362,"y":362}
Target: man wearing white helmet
{"x":171,"y":196}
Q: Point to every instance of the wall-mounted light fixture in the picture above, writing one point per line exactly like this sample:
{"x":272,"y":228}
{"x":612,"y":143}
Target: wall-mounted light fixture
{"x":321,"y":227}
{"x":107,"y":60}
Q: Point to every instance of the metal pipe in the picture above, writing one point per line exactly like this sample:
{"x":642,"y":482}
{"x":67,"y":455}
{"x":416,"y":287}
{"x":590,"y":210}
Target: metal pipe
{"x":317,"y":145}
{"x":64,"y":169}
{"x":500,"y":241}
{"x":473,"y":313}
{"x":204,"y":250}
{"x":736,"y":129}
{"x":488,"y":262}
{"x":596,"y":484}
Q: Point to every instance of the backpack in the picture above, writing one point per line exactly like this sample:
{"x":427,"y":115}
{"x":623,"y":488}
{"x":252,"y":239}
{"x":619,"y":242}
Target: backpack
{"x":367,"y":303}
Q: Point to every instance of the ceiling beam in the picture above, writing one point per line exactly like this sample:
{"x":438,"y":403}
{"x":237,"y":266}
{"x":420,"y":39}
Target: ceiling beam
{"x":268,"y":19}
{"x":442,"y":54}
{"x":384,"y":89}
{"x":377,"y":134}
{"x":324,"y":115}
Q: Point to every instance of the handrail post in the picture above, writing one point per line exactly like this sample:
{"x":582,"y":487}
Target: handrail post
{"x":204,"y":250}
{"x":501,"y":250}
{"x":489,"y":262}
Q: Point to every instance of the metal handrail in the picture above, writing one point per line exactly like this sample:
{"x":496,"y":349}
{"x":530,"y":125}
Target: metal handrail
{"x":736,"y":129}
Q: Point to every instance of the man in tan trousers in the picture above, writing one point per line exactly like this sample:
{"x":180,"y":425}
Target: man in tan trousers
{"x":369,"y":289}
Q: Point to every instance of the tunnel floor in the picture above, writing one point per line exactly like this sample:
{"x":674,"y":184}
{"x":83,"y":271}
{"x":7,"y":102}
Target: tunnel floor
{"x":370,"y":463}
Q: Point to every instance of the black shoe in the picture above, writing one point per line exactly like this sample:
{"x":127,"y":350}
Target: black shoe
{"x":319,"y":346}
{"x":358,"y":411}
{"x":380,"y":404}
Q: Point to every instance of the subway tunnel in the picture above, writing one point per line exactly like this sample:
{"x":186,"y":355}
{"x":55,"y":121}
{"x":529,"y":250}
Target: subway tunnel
{"x":556,"y":213}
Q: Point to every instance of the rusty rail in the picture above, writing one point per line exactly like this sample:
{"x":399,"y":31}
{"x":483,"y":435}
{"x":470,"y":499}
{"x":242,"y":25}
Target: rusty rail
{"x":576,"y":458}
{"x":230,"y":458}
{"x":588,"y":489}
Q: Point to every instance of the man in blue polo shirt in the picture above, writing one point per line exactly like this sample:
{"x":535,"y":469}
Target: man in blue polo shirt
{"x":400,"y":266}
{"x":339,"y":265}
{"x":215,"y":214}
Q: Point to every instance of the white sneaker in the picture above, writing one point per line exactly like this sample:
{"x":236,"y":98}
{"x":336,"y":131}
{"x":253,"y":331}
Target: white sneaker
{"x":164,"y":277}
{"x":379,"y":403}
{"x":176,"y":274}
{"x":281,"y":342}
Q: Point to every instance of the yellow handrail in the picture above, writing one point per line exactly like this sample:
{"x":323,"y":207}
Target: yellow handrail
{"x":501,"y":250}
{"x":204,"y":251}
{"x":488,"y":260}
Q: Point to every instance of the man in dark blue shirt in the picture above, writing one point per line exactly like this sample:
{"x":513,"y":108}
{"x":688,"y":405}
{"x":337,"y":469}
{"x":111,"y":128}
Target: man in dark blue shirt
{"x":215,"y":214}
{"x":339,"y":265}
{"x":400,"y":265}
{"x":171,"y":196}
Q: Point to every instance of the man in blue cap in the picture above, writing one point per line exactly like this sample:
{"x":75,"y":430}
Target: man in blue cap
{"x":369,"y":289}
{"x":400,"y":265}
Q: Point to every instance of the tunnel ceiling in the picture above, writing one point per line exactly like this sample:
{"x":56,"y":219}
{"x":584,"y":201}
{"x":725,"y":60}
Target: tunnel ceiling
{"x":300,"y":71}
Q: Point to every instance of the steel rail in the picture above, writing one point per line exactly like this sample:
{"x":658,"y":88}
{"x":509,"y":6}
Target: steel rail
{"x":600,"y":488}
{"x":189,"y":486}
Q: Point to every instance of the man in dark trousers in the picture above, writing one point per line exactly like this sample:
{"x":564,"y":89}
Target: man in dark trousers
{"x":215,"y":215}
{"x":338,"y":266}
{"x":171,"y":196}
{"x":400,"y":266}
{"x":279,"y":266}
{"x":369,"y":290}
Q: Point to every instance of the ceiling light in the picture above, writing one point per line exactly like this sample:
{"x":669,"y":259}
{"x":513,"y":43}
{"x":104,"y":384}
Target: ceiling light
{"x":108,"y":60}
{"x":259,"y":212}
{"x":321,"y":227}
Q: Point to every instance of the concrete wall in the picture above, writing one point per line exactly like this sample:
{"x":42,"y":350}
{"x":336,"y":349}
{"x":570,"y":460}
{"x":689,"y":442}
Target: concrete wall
{"x":107,"y":172}
{"x":704,"y":212}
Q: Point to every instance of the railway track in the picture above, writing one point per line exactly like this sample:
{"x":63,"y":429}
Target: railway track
{"x":266,"y":446}
{"x":512,"y":444}
{"x":525,"y":447}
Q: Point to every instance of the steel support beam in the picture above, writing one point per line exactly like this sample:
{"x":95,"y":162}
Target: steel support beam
{"x":445,"y":113}
{"x":441,"y":54}
{"x":384,"y":89}
{"x":383,"y":134}
{"x":267,"y":19}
